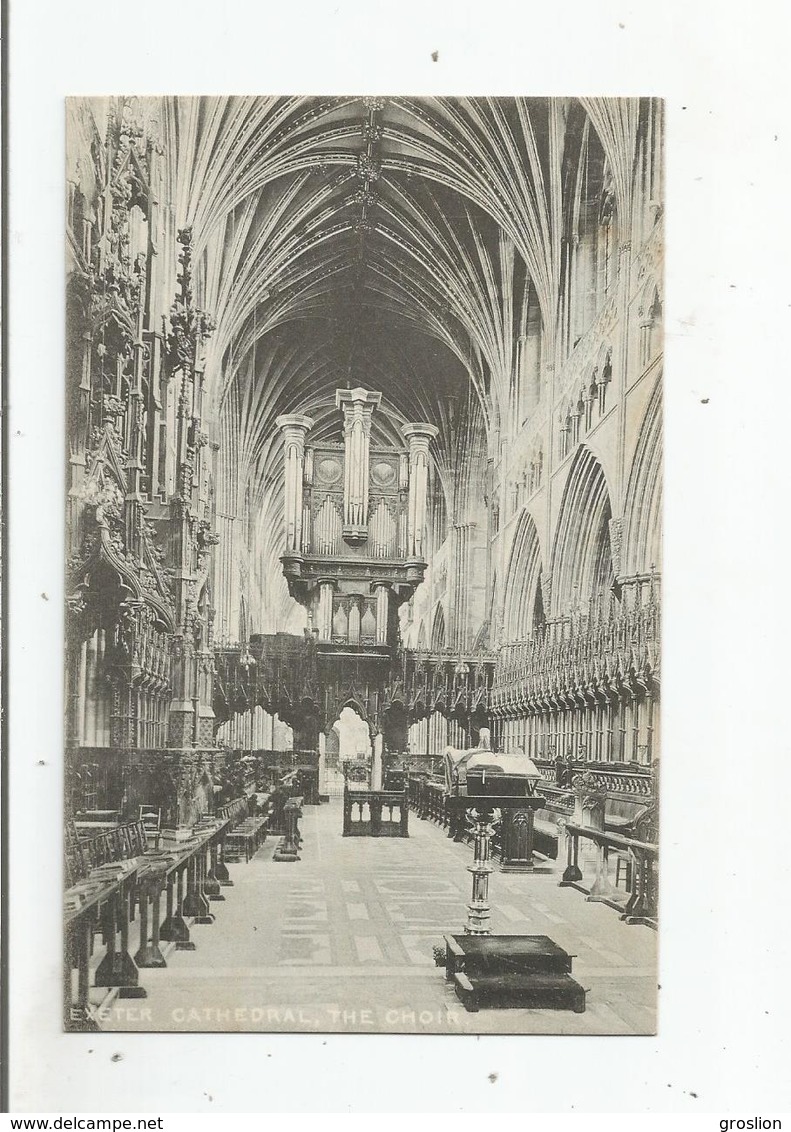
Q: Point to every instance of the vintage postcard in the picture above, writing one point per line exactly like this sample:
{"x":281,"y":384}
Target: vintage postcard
{"x":363,"y":564}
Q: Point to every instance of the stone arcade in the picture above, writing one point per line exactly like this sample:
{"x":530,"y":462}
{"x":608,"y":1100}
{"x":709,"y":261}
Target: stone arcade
{"x":364,"y":413}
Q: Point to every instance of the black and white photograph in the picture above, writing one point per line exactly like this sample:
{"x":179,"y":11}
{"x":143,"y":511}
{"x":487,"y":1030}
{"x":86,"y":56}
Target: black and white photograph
{"x":393,"y":530}
{"x":363,"y":564}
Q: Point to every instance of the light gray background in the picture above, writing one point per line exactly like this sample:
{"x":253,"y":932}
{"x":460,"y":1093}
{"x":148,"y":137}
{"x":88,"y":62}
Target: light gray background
{"x":724,"y":1000}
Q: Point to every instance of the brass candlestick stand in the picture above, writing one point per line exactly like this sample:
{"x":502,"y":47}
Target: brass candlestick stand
{"x":481,"y":810}
{"x":481,"y":868}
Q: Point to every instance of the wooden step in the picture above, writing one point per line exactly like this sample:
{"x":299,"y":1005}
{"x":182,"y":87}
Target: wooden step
{"x":506,"y":954}
{"x":539,"y":991}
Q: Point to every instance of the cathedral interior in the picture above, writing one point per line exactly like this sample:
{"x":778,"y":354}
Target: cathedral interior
{"x":364,"y":412}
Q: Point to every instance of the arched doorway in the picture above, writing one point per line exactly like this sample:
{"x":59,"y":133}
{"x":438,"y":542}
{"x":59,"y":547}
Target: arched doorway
{"x":347,"y":740}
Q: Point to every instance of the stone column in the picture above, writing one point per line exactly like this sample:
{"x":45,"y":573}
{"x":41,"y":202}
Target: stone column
{"x":620,"y":360}
{"x":92,"y":690}
{"x":417,"y":437}
{"x":459,"y":587}
{"x":323,"y":620}
{"x":182,"y":717}
{"x":382,"y":613}
{"x":306,"y":732}
{"x":82,"y":697}
{"x":294,"y":428}
{"x":358,"y":406}
{"x":307,"y":490}
{"x":376,"y":762}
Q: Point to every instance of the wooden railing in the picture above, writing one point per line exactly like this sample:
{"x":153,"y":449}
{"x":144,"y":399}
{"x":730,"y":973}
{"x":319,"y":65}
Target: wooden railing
{"x":425,"y":764}
{"x":612,"y":852}
{"x":623,"y":780}
{"x":427,"y":797}
{"x":370,"y":813}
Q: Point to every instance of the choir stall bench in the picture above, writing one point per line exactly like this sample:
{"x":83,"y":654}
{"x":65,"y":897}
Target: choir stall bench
{"x":112,"y":876}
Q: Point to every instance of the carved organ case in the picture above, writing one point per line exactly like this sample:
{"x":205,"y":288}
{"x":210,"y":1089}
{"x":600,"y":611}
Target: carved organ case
{"x":355,"y":522}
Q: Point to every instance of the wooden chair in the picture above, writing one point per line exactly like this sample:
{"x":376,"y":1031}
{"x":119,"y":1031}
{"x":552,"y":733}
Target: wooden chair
{"x":76,"y":865}
{"x":623,"y":861}
{"x":151,"y":817}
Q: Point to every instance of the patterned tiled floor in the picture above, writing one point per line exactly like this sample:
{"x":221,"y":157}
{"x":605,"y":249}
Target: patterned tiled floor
{"x":342,"y":941}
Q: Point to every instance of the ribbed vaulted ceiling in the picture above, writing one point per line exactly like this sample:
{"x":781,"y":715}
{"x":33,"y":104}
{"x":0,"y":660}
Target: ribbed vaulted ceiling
{"x":338,"y":219}
{"x":393,"y":243}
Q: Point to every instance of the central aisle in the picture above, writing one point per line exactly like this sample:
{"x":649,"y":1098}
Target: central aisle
{"x":342,"y":941}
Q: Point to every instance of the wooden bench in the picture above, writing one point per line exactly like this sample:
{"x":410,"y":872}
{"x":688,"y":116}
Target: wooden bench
{"x":246,"y":839}
{"x":546,"y":835}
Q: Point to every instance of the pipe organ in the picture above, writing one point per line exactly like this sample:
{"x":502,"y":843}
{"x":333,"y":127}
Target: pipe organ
{"x":355,"y":522}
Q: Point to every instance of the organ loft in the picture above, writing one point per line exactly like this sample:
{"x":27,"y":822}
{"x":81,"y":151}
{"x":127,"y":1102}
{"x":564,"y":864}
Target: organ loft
{"x":354,"y":546}
{"x":355,"y":522}
{"x":364,"y":412}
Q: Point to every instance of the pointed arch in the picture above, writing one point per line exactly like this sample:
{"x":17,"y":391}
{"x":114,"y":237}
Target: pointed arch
{"x":494,"y":596}
{"x":522,"y":598}
{"x":438,"y":630}
{"x":332,"y":743}
{"x":353,"y":703}
{"x":642,"y":523}
{"x":650,"y":314}
{"x":242,"y":618}
{"x":353,"y":733}
{"x":582,"y":554}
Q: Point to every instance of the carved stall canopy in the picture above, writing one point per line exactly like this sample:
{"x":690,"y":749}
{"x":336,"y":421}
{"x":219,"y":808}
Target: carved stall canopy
{"x":140,"y":512}
{"x":118,"y":558}
{"x":295,"y":678}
